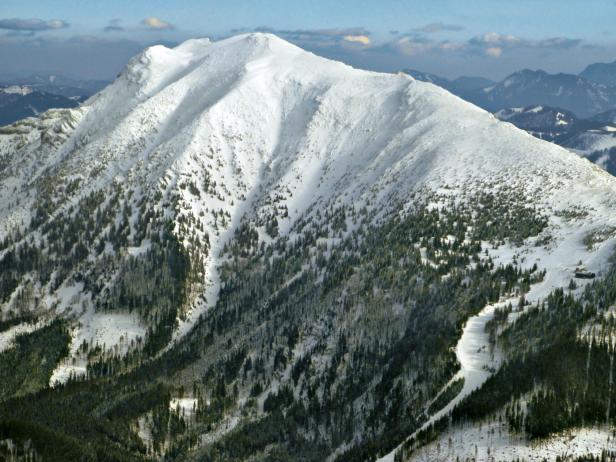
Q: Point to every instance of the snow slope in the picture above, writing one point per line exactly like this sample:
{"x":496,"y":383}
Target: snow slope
{"x":276,"y":127}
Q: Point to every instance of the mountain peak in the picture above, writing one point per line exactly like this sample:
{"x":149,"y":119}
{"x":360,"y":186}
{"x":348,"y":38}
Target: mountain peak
{"x":223,"y":201}
{"x":158,"y":66}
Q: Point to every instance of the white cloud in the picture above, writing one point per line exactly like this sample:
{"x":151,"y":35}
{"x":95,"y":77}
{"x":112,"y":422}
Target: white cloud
{"x":156,"y":23}
{"x":414,"y":46}
{"x":491,"y":44}
{"x":452,"y":46}
{"x":493,"y":39}
{"x":322,"y":37}
{"x":408,"y":46}
{"x":363,"y":39}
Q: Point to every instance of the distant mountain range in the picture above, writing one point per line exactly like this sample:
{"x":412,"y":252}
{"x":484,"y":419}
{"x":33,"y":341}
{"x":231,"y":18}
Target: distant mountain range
{"x":464,"y":86}
{"x":602,"y":73}
{"x":550,"y":123}
{"x":15,"y":105}
{"x":544,"y":122}
{"x":576,"y":93}
{"x":32,"y":95}
{"x":570,"y":92}
{"x":606,"y":117}
{"x":59,"y":85}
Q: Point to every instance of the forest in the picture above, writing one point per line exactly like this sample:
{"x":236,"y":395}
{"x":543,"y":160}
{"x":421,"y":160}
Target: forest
{"x":331,"y":338}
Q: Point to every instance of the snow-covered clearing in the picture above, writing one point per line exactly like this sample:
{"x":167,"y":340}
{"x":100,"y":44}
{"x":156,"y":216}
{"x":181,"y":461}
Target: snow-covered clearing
{"x":115,"y":333}
{"x":492,"y":441}
{"x":185,"y":406}
{"x":8,"y":336}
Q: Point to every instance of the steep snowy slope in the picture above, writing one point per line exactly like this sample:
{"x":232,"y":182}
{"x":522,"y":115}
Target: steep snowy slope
{"x":117,"y":216}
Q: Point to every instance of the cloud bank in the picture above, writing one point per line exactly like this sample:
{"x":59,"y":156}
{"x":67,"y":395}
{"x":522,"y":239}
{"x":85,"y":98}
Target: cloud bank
{"x":32,"y":25}
{"x":436,"y":27}
{"x":323,"y":38}
{"x":491,"y":44}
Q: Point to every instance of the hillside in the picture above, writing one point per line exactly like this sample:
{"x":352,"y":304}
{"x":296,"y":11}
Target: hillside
{"x":17,"y":105}
{"x":239,"y":250}
{"x":602,"y":73}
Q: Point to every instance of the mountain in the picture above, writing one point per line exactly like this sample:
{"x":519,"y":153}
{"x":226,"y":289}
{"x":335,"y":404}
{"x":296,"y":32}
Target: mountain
{"x":30,"y":96}
{"x":18,"y":102}
{"x":239,"y":250}
{"x":601,"y":73}
{"x":597,"y":145}
{"x":526,"y":88}
{"x":607,"y":117}
{"x":544,"y":122}
{"x":59,"y":85}
{"x":465,"y":83}
{"x":593,"y":138}
{"x":459,"y":86}
{"x":431,"y":78}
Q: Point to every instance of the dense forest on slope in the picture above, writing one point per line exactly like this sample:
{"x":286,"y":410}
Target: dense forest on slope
{"x":335,"y":337}
{"x":558,"y":373}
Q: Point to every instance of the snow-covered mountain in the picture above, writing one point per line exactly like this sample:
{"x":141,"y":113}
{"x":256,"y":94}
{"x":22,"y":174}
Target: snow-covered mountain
{"x":592,"y":137}
{"x":238,"y":230}
{"x":430,"y":78}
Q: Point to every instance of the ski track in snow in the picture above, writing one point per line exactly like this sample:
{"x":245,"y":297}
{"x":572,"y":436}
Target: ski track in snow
{"x":474,"y":355}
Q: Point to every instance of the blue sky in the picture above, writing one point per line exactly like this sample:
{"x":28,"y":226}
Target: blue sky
{"x":491,"y":38}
